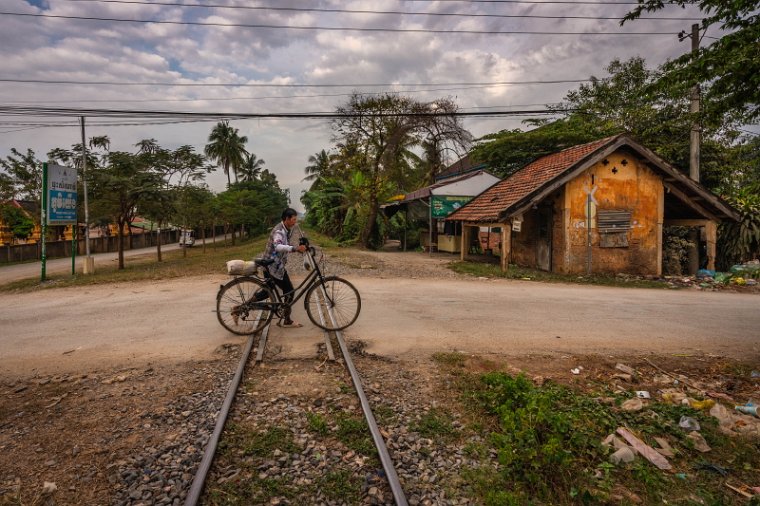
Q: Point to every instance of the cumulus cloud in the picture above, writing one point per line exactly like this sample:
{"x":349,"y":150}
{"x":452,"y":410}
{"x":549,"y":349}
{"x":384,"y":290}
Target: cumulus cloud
{"x":83,"y":50}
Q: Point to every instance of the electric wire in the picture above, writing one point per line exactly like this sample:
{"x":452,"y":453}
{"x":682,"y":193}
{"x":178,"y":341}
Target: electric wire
{"x":270,"y":85}
{"x":56,"y":112}
{"x":370,"y":11}
{"x":329,"y":28}
{"x":570,"y":2}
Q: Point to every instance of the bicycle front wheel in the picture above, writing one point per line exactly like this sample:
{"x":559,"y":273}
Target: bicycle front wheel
{"x":333,"y":304}
{"x":243,"y":306}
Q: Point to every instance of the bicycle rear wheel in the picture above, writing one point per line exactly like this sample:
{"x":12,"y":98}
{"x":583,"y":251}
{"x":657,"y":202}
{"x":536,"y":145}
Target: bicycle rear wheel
{"x":333,"y":304}
{"x":239,"y":311}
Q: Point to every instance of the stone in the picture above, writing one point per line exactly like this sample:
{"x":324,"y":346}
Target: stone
{"x":634,"y":404}
{"x":624,"y":455}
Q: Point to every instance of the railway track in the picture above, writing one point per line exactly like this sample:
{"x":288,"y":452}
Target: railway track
{"x":197,"y":487}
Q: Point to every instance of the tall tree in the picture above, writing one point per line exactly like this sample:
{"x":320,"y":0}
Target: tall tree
{"x":21,"y":178}
{"x":625,"y":101}
{"x":124,"y":182}
{"x":728,"y":68}
{"x":319,"y":166}
{"x":251,"y":168}
{"x":376,"y":132}
{"x":227,"y":148}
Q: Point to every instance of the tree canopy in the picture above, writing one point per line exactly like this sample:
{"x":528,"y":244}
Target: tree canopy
{"x":728,"y":68}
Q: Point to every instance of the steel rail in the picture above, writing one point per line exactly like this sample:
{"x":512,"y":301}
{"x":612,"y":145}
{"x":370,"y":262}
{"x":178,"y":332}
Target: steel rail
{"x":385,"y":458}
{"x":208,"y":456}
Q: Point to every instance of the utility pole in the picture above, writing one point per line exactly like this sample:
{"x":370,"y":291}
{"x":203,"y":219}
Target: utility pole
{"x":89,"y":261}
{"x":692,"y":252}
{"x":694,"y":110}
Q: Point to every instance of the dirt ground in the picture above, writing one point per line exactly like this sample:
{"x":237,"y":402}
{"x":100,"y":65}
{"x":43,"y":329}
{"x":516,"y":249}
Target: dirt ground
{"x":75,"y":430}
{"x":90,"y":376}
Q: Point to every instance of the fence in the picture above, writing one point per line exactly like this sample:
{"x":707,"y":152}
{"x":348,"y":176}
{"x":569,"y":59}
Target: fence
{"x":62,"y":249}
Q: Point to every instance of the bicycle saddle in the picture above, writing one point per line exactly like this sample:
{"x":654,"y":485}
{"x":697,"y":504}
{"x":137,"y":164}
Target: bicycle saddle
{"x":263,"y":262}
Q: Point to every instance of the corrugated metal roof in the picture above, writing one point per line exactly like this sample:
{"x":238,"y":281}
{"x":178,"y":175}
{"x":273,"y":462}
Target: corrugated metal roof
{"x":424,"y":193}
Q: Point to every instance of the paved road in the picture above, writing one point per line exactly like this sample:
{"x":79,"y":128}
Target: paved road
{"x":57,"y":266}
{"x":76,"y":329}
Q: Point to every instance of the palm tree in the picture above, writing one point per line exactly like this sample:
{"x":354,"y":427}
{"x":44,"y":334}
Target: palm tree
{"x":149,"y":146}
{"x":319,"y":165}
{"x":251,"y":168}
{"x":226,"y":148}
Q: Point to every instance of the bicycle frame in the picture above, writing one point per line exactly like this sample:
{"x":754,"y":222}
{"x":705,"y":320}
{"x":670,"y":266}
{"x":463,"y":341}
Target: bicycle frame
{"x":299,"y":291}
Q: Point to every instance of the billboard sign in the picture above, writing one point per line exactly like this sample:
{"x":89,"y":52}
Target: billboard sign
{"x":61,"y":195}
{"x":444,"y":205}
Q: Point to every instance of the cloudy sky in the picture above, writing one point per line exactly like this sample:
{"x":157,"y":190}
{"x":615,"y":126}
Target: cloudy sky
{"x":299,"y":56}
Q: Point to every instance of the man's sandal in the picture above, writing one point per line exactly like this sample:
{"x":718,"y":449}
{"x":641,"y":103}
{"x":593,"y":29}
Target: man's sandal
{"x":291,"y":325}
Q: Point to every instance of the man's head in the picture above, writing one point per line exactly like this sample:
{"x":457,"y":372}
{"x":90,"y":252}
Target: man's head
{"x":289,"y":217}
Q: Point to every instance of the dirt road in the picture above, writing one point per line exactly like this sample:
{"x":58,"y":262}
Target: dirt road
{"x":73,"y":329}
{"x":15,"y":272}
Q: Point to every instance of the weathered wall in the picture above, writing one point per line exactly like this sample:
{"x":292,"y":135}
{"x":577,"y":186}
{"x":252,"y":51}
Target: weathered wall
{"x":524,"y":242}
{"x":623,"y":183}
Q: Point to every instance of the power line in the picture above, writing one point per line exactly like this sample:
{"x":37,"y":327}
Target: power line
{"x":328,"y":28}
{"x":57,"y":112}
{"x":268,"y":85}
{"x":369,"y":11}
{"x":565,"y":2}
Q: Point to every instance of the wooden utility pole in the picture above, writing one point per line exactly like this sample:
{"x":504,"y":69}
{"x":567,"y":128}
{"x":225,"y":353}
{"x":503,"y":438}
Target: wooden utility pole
{"x":694,"y":147}
{"x":694,"y":110}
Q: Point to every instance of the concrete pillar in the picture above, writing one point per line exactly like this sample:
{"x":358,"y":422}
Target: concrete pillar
{"x":506,"y":245}
{"x":711,"y":234}
{"x":465,"y":242}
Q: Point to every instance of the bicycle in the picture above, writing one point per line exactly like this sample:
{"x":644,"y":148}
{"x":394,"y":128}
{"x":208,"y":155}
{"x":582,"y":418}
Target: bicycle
{"x":248,"y":303}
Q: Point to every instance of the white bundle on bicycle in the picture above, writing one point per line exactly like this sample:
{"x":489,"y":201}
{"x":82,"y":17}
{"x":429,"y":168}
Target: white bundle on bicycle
{"x":241,"y":268}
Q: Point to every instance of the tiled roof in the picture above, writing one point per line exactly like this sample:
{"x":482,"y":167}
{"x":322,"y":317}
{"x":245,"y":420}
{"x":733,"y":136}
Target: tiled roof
{"x":487,"y":206}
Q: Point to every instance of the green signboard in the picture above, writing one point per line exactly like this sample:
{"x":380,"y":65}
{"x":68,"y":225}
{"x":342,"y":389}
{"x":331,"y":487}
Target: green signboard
{"x":444,"y":205}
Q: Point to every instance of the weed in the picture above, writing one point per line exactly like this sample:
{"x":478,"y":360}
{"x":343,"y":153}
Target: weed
{"x":264,"y":443}
{"x":451,"y":359}
{"x":317,"y":423}
{"x":340,"y":485}
{"x":384,"y":414}
{"x":354,"y":433}
{"x":251,"y":491}
{"x":434,"y":423}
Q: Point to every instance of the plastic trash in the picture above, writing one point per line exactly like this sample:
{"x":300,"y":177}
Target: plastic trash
{"x":700,"y":405}
{"x":722,"y":277}
{"x":688,"y":423}
{"x":748,"y":409}
{"x":705,"y":273}
{"x":755,"y":374}
{"x":642,"y":394}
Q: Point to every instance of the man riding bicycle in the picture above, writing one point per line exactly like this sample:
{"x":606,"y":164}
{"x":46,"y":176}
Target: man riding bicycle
{"x":277,"y":250}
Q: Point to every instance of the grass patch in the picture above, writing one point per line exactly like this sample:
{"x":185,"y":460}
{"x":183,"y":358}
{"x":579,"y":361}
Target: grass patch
{"x":257,"y":443}
{"x":516,"y":272}
{"x":178,"y":263}
{"x":451,"y":359}
{"x":435,"y":424}
{"x":340,"y":485}
{"x":354,"y":433}
{"x":317,"y":424}
{"x":548,"y":443}
{"x":251,"y":491}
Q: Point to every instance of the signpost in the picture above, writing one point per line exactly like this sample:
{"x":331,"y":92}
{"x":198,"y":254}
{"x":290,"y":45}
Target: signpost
{"x":59,"y":203}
